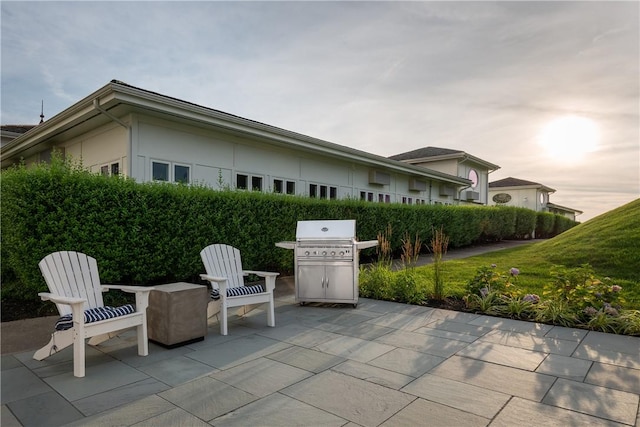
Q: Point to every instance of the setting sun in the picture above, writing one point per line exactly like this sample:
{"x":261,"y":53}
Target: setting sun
{"x":569,"y":138}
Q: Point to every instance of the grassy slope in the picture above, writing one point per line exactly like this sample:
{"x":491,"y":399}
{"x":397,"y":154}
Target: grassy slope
{"x":610,"y":243}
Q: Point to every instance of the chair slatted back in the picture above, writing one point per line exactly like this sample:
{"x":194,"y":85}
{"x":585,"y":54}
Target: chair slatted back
{"x":223,"y":261}
{"x":72,"y":274}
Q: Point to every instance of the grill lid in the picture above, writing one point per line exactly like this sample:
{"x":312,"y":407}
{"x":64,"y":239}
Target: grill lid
{"x":326,"y":229}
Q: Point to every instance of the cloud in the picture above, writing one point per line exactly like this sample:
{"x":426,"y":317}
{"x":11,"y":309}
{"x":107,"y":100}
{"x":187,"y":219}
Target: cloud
{"x":384,"y":77}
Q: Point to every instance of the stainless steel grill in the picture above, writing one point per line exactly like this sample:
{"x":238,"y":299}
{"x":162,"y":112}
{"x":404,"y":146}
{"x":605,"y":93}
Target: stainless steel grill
{"x":326,"y":261}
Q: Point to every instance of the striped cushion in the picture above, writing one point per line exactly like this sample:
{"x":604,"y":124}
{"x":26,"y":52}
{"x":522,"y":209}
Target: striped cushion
{"x":240,"y":290}
{"x":94,"y":315}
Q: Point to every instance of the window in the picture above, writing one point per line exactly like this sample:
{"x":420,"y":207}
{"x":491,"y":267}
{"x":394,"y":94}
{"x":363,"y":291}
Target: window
{"x":333,"y":193}
{"x":291,"y":187}
{"x":387,"y":198}
{"x":370,"y":197}
{"x":256,"y":183}
{"x":242,"y":181}
{"x":181,"y":174}
{"x":277,"y":185}
{"x":323,"y":191}
{"x":107,"y":170}
{"x":163,"y":171}
{"x":313,"y":190}
{"x":160,"y":171}
{"x":363,"y":195}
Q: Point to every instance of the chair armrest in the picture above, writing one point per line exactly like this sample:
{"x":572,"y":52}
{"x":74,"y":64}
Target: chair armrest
{"x":77,"y":306}
{"x":58,"y":299}
{"x":213,"y":278}
{"x":269,"y":278}
{"x":142,"y":294}
{"x":127,"y":288}
{"x":260,"y":273}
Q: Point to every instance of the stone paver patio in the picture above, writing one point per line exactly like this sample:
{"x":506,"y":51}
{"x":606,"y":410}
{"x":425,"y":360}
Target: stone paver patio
{"x":381,"y":364}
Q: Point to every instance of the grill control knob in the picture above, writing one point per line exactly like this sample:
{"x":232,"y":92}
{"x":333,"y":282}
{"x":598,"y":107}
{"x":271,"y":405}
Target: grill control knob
{"x":341,"y":253}
{"x":324,"y":253}
{"x":333,"y":253}
{"x":307,"y":253}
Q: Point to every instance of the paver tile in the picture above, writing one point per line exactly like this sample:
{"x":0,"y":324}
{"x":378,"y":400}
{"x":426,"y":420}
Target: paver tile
{"x":503,"y":355}
{"x":261,"y":377}
{"x":174,"y":417}
{"x":399,"y":321}
{"x":349,"y":318}
{"x":536,"y":329}
{"x":7,"y":419}
{"x":242,"y":350}
{"x":98,"y":379}
{"x":374,"y":374}
{"x":365,"y":331}
{"x":568,"y":334}
{"x":458,"y":327}
{"x":459,"y":395}
{"x":614,"y":405}
{"x":207,"y":398}
{"x":407,"y":362}
{"x":565,"y":367}
{"x":277,"y":410}
{"x":46,"y":409}
{"x":620,"y":350}
{"x":299,"y":335}
{"x":19,"y":383}
{"x":127,"y":415}
{"x":504,"y":379}
{"x":177,"y":370}
{"x":356,"y":400}
{"x":422,"y":412}
{"x":530,"y":342}
{"x":9,"y":362}
{"x":438,"y":314}
{"x":522,"y":412}
{"x":436,"y":346}
{"x":304,"y":358}
{"x":119,"y":396}
{"x":435,"y":332}
{"x":616,"y":377}
{"x":354,"y":348}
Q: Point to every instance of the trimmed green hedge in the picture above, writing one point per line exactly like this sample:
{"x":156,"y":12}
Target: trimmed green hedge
{"x":152,"y":233}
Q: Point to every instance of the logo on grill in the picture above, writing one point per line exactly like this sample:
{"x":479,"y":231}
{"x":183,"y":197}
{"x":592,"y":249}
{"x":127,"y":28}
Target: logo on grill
{"x":325,"y":229}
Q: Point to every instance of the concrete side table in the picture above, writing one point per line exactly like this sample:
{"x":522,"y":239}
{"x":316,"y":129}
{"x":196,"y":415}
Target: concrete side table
{"x":177,"y":314}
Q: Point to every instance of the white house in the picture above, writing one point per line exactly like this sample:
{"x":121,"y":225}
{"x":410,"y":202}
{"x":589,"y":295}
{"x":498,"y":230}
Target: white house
{"x":527,"y":194}
{"x":122,"y":129}
{"x":458,"y":163}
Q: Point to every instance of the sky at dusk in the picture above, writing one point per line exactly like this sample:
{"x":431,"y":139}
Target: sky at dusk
{"x":549,"y":91}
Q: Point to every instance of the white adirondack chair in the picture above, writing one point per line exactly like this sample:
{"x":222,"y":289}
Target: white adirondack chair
{"x":224,"y":271}
{"x":74,"y":285}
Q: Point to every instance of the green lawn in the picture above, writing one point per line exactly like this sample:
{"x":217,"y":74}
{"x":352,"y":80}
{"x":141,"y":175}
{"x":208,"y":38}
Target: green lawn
{"x":531,"y":260}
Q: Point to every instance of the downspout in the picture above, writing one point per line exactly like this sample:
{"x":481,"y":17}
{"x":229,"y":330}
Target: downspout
{"x":96,"y":105}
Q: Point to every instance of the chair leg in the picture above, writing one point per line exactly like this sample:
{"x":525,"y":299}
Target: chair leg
{"x":59,"y":340}
{"x":143,"y":339}
{"x":78,"y":355}
{"x":271,"y":317}
{"x":223,"y":318}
